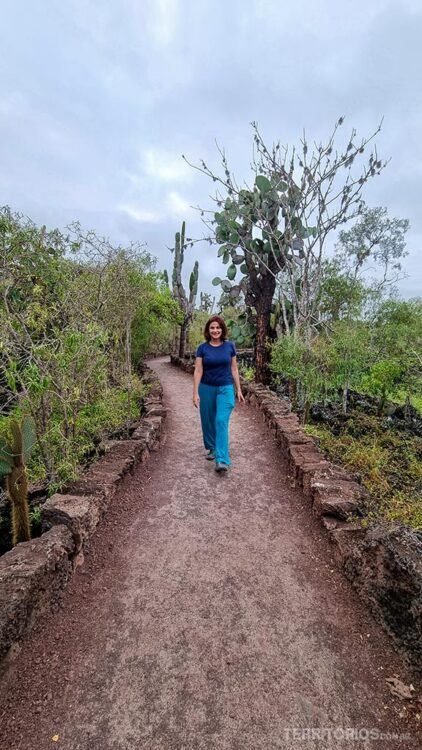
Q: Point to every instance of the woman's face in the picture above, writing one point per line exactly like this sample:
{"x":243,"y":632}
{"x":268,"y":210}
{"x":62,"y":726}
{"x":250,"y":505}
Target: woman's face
{"x":215,"y":331}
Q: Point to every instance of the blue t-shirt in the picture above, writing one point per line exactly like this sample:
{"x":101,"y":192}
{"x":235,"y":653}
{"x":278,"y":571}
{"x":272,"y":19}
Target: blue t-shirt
{"x":217,"y":362}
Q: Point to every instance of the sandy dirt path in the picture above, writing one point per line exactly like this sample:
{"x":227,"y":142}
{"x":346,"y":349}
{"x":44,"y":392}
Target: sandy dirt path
{"x":209,"y":614}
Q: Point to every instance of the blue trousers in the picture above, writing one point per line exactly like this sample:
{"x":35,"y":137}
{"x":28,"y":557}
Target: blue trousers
{"x":216,"y":405}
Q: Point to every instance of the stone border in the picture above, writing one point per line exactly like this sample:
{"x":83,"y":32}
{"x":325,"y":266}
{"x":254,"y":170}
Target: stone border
{"x":383,"y":561}
{"x":33,"y":574}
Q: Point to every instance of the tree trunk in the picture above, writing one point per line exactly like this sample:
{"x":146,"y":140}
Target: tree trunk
{"x":128,"y":357}
{"x":285,"y":319}
{"x":293,"y":393}
{"x":263,"y":328}
{"x":17,"y":486}
{"x":381,"y":404}
{"x":183,"y":336}
{"x":345,"y":397}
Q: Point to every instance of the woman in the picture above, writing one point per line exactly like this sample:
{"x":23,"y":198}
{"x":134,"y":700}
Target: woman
{"x":215,"y":376}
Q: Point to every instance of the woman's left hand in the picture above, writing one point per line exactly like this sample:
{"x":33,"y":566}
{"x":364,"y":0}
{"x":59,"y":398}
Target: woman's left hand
{"x":240,"y":396}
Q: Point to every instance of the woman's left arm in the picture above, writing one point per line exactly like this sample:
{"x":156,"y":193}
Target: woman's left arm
{"x":235,"y":373}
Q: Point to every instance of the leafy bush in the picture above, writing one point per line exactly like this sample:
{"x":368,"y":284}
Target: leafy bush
{"x":381,"y":358}
{"x":389,"y":462}
{"x":76,"y":316}
{"x":95,"y":421}
{"x":196,"y":330}
{"x":248,"y":373}
{"x":382,"y":379}
{"x":305,"y":366}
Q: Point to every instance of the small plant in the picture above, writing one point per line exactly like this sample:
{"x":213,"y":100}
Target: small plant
{"x":248,"y":373}
{"x":35,"y":519}
{"x":13,"y":459}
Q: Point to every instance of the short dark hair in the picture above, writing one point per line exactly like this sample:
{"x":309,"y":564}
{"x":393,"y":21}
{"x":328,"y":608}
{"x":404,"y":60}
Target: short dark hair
{"x":221,"y":323}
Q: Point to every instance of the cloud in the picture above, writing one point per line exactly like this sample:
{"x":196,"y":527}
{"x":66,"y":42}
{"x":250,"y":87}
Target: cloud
{"x":178,"y":206}
{"x":174,"y":206}
{"x":94,"y":117}
{"x":12,"y":105}
{"x":164,"y":18}
{"x":143,"y":216}
{"x":164,"y":165}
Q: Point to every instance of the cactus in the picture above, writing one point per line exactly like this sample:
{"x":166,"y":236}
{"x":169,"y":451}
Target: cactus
{"x":13,"y":458}
{"x":207,"y":303}
{"x":193,"y":283}
{"x":186,"y":304}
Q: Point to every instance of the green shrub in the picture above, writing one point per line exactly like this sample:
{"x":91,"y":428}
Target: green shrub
{"x":93,"y":422}
{"x":248,"y":373}
{"x":389,"y":462}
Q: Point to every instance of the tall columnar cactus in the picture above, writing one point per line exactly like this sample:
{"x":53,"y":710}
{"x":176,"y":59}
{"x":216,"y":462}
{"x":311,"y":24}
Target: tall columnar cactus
{"x":186,"y":304}
{"x":206,"y":303}
{"x":13,"y":458}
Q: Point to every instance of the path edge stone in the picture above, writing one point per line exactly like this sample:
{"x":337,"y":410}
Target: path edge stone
{"x":33,"y":574}
{"x":383,"y":561}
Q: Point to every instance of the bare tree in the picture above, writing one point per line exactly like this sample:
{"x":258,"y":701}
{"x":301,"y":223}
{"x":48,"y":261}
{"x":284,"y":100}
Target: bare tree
{"x":375,"y":242}
{"x":275,"y":232}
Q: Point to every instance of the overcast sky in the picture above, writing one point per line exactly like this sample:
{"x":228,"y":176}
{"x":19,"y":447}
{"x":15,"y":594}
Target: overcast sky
{"x":99,"y":99}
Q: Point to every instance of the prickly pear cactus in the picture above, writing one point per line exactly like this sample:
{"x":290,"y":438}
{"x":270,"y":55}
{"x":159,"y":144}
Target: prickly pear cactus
{"x":13,"y":459}
{"x":243,"y":330}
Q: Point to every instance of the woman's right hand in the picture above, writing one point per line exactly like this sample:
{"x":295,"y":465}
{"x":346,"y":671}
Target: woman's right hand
{"x":196,"y":400}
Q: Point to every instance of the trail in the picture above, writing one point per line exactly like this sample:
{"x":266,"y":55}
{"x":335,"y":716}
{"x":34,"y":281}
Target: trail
{"x":209,"y":614}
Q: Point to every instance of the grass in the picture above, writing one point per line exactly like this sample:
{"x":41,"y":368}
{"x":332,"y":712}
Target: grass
{"x":388,"y":461}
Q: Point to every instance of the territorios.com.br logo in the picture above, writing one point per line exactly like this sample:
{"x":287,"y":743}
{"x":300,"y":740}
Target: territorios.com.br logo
{"x":346,"y":734}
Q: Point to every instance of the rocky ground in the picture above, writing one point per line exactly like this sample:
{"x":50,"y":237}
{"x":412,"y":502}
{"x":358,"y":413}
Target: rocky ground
{"x":208,"y":614}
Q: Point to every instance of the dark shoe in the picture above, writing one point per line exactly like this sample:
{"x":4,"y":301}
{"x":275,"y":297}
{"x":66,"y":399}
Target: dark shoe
{"x":221,"y":467}
{"x":210,"y":456}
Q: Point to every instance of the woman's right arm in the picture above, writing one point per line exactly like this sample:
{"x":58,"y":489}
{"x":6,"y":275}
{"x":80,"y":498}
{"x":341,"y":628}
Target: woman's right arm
{"x":197,"y":375}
